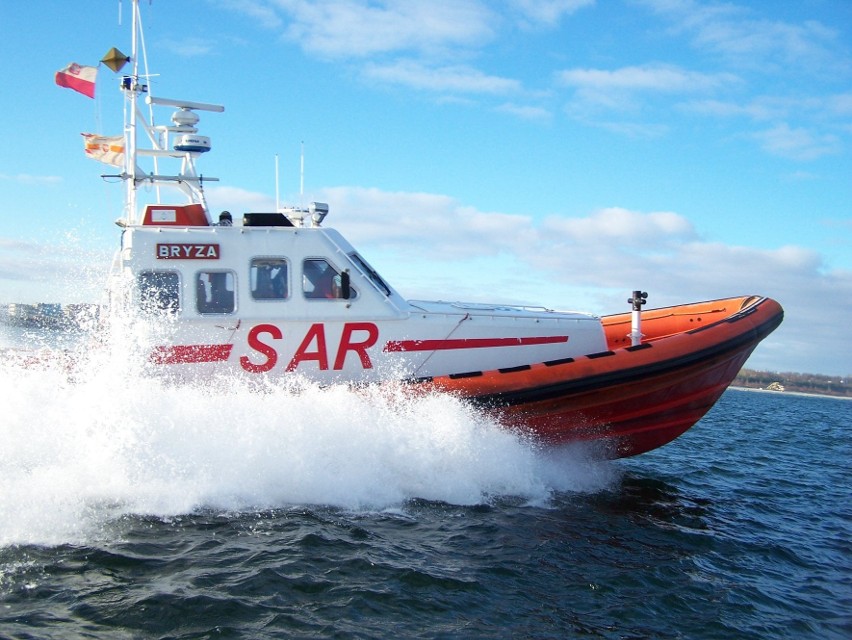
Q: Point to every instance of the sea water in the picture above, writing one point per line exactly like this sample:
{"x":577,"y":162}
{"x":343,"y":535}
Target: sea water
{"x":132,"y":508}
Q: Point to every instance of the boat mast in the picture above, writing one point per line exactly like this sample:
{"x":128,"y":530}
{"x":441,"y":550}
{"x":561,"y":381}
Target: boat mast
{"x":131,"y":86}
{"x":178,"y":141}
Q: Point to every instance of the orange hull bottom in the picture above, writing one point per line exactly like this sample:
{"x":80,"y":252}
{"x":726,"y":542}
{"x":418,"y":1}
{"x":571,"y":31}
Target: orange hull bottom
{"x":628,"y":399}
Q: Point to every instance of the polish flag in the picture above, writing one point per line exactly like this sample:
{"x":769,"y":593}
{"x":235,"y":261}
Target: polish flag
{"x":78,"y":77}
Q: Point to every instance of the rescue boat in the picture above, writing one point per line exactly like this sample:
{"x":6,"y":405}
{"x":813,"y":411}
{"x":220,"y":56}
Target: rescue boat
{"x":272,"y":294}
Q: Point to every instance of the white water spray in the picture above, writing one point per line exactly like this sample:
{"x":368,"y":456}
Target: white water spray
{"x":80,"y":452}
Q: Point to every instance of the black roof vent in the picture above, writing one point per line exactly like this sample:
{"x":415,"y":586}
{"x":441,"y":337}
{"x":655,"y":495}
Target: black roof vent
{"x":266,"y":220}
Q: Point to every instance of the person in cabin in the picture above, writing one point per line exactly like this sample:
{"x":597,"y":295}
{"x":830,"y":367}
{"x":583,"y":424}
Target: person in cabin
{"x":271,"y":281}
{"x":225,"y":219}
{"x":319,"y":279}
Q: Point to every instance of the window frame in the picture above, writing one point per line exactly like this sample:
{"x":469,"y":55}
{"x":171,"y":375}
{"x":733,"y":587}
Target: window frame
{"x":253,"y":275}
{"x":210,"y":308}
{"x":148,"y":290}
{"x":353,"y":293}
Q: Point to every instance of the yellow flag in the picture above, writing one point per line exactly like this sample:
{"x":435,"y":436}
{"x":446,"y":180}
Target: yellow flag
{"x":115,"y":59}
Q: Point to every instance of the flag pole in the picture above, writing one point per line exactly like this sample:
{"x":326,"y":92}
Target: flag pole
{"x":130,"y":157}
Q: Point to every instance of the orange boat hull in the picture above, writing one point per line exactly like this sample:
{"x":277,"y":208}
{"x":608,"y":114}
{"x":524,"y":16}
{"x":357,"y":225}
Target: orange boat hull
{"x":628,"y":399}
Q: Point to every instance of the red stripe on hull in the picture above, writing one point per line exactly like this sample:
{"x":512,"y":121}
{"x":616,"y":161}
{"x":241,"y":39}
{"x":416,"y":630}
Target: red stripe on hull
{"x":191,"y":354}
{"x":396,"y":346}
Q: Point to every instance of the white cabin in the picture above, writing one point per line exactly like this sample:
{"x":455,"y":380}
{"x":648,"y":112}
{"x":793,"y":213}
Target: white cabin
{"x":271,"y":296}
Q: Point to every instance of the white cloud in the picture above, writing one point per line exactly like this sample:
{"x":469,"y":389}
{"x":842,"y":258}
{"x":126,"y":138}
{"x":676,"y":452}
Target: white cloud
{"x":621,"y":89}
{"x":433,"y":246}
{"x":58,"y":269}
{"x":548,"y":12}
{"x":625,"y":227}
{"x":797,"y":143}
{"x":458,"y":78}
{"x":638,"y":130}
{"x":792,"y":59}
{"x":357,"y":28}
{"x":526,"y":112}
{"x":761,"y":108}
{"x":237,"y":200}
{"x":256,"y":9}
{"x":841,"y":104}
{"x":604,"y":249}
{"x":436,"y":47}
{"x":190,"y":47}
{"x":654,"y":78}
{"x":754,"y":109}
{"x":801,"y":143}
{"x":741,"y":36}
{"x":408,"y":222}
{"x":30,"y":180}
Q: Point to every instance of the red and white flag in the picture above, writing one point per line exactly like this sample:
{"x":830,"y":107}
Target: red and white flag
{"x":106,"y":149}
{"x":78,"y":77}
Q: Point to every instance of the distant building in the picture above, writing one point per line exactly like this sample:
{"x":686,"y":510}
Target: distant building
{"x":45,"y":315}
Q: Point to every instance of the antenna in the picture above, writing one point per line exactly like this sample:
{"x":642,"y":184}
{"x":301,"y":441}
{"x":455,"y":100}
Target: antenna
{"x":277,"y":201}
{"x":302,"y":174}
{"x":184,"y":104}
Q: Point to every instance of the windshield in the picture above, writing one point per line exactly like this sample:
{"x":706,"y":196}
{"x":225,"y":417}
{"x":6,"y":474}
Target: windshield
{"x":368,"y":271}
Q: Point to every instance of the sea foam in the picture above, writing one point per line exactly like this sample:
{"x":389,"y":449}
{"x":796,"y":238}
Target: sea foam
{"x":84,"y":448}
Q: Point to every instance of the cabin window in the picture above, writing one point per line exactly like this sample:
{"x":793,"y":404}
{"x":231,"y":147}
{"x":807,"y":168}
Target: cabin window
{"x":159,"y":291}
{"x":321,"y":281}
{"x":268,"y":279}
{"x":214,"y":292}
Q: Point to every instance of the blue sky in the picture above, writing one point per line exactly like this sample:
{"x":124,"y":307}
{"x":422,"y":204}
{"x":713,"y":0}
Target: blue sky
{"x":554,"y":152}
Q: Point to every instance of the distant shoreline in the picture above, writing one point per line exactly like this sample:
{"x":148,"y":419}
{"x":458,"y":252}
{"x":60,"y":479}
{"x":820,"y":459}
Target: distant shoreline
{"x":789,"y":393}
{"x":789,"y":382}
